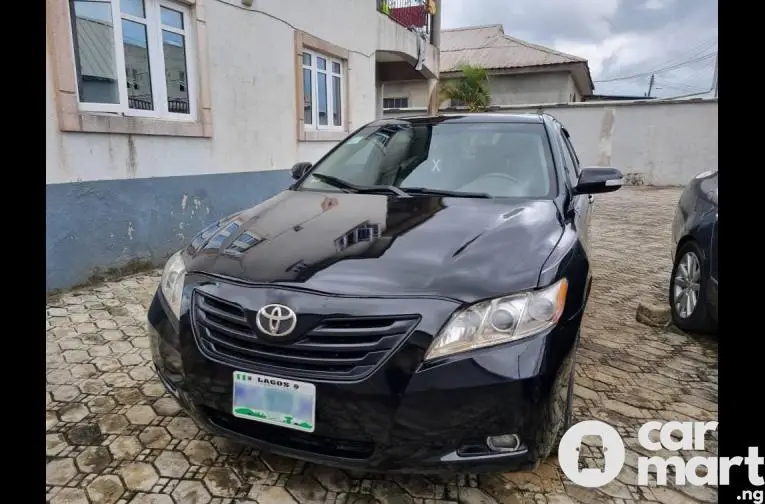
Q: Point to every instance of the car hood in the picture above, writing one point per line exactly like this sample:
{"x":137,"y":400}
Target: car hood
{"x":373,"y":245}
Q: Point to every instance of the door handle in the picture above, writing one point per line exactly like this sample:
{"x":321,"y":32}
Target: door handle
{"x":590,"y":198}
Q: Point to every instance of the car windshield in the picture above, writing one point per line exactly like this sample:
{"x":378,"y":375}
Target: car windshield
{"x":499,"y":160}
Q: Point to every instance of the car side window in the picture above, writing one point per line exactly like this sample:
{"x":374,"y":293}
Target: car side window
{"x":568,"y":159}
{"x":572,"y":152}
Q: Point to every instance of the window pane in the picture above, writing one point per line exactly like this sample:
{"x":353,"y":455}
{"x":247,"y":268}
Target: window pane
{"x":569,"y":161}
{"x":171,"y":17}
{"x":132,"y":7}
{"x":321,"y":85}
{"x":306,"y":59}
{"x":137,"y":65}
{"x":174,"y":49}
{"x":336,"y":67}
{"x":321,"y":63}
{"x":307,"y":96}
{"x":94,"y":52}
{"x":337,"y":112}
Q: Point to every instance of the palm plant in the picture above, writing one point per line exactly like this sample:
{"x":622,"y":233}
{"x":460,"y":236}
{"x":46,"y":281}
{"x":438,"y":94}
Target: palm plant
{"x":472,"y":88}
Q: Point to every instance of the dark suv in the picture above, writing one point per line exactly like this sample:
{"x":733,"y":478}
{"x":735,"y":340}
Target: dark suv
{"x":411,"y":303}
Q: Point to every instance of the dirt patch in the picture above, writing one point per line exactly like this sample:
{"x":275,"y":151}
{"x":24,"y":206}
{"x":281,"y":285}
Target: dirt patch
{"x":100,"y":276}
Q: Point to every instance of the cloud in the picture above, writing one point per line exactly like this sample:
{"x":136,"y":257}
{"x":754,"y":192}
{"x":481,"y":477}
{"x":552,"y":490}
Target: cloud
{"x":538,"y":19}
{"x":618,"y":37}
{"x":657,"y":4}
{"x":669,"y":49}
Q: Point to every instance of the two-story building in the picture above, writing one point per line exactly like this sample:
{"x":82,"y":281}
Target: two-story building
{"x":164,"y":115}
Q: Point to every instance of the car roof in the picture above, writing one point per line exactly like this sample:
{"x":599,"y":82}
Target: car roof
{"x":466,"y":118}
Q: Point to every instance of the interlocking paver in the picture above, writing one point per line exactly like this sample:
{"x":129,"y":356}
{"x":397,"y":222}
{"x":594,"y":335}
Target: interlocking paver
{"x":69,"y":496}
{"x":125,"y":447}
{"x":114,"y":435}
{"x":105,"y":489}
{"x":139,"y":476}
{"x":171,"y":464}
{"x":155,"y":437}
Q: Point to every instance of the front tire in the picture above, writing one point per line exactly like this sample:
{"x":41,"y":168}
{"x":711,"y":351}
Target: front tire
{"x":688,"y":291}
{"x":568,"y":415}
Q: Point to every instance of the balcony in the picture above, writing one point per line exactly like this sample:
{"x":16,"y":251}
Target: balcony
{"x":414,"y":15}
{"x":405,"y":54}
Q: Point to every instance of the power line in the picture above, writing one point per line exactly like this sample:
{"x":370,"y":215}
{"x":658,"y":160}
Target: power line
{"x":660,"y":70}
{"x":698,"y":73}
{"x":684,"y":83}
{"x":691,"y":53}
{"x":713,"y":88}
{"x":678,"y":87}
{"x":690,"y":82}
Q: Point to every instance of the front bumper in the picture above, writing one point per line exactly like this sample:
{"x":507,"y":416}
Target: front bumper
{"x":403,"y":416}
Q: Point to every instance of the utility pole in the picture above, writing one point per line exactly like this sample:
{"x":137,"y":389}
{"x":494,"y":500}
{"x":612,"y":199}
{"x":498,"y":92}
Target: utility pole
{"x":714,"y":79}
{"x":650,"y":85}
{"x":435,"y":39}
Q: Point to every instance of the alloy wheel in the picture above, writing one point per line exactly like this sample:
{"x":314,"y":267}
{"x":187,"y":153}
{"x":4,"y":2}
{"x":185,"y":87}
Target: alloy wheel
{"x":687,"y":285}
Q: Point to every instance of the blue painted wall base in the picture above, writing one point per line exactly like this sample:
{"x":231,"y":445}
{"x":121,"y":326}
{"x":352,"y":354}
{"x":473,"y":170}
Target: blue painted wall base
{"x":92,"y":226}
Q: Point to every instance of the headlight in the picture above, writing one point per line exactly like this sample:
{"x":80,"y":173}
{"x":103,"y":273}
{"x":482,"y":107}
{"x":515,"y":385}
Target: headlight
{"x":500,"y":320}
{"x":172,"y":282}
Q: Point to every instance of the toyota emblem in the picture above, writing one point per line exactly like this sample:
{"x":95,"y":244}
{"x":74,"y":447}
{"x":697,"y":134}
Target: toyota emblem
{"x":276,"y":320}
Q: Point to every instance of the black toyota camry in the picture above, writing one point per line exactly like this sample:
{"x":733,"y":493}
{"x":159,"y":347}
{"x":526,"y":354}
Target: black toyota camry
{"x":411,"y":303}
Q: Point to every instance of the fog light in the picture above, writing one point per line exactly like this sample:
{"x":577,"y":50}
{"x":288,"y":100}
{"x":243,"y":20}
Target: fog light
{"x":504,"y":443}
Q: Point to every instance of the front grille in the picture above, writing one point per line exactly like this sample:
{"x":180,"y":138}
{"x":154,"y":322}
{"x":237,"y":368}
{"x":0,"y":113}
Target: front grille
{"x":332,"y":447}
{"x":333,"y":347}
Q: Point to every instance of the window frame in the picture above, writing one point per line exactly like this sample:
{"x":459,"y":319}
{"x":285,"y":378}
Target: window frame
{"x":154,"y":28}
{"x":330,"y":74}
{"x":60,"y":68}
{"x":305,"y":42}
{"x":402,"y":99}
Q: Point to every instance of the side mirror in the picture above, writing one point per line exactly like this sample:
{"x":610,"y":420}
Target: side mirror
{"x":299,"y":170}
{"x":599,"y":180}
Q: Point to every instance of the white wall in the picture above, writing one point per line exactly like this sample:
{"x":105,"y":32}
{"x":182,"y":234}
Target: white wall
{"x":518,"y":89}
{"x":651,"y":142}
{"x":252,"y":77}
{"x":656,"y":143}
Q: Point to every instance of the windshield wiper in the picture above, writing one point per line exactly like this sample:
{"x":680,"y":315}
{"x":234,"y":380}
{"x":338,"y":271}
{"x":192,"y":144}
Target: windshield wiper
{"x":444,"y":192}
{"x":342,"y":184}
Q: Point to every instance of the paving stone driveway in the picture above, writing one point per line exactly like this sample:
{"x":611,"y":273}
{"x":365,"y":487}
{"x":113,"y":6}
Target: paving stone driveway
{"x":113,"y":436}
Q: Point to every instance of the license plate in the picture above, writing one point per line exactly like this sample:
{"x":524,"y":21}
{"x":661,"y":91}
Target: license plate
{"x":275,"y":401}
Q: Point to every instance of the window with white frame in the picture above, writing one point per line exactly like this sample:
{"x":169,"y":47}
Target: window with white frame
{"x":322,"y":91}
{"x":132,"y":57}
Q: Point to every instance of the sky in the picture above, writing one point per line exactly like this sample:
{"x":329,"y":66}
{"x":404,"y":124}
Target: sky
{"x":624,"y":41}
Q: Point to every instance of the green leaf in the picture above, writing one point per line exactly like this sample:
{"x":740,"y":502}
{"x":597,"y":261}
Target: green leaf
{"x":472,"y":88}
